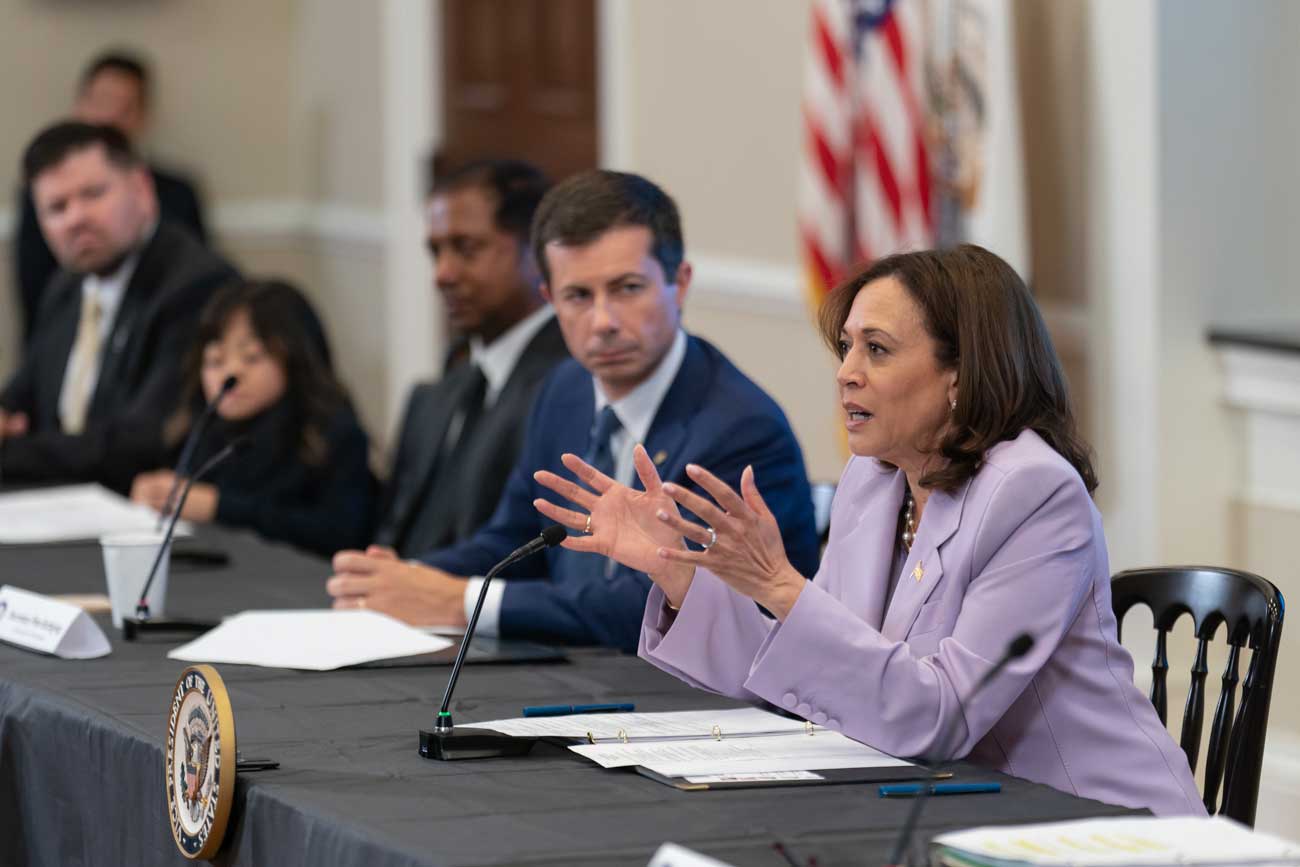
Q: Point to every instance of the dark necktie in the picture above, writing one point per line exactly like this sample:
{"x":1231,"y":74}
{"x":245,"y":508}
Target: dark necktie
{"x":582,"y":567}
{"x":429,"y":522}
{"x":469,"y":408}
{"x":600,"y":454}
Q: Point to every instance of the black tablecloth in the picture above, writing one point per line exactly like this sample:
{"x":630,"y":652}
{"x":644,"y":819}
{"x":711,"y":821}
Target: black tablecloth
{"x":81,"y":759}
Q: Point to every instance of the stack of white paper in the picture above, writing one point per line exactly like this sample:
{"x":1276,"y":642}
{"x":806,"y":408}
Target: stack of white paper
{"x":314,"y":640}
{"x":1126,"y":842}
{"x":72,"y":512}
{"x":692,"y":743}
{"x":643,"y":726}
{"x":824,"y":750}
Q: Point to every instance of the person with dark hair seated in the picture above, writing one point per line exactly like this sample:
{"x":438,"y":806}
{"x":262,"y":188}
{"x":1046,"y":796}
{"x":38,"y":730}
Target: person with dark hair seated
{"x":102,"y":366}
{"x":115,"y":89}
{"x":305,"y":477}
{"x":460,"y":435}
{"x":613,"y":264}
{"x":963,"y":519}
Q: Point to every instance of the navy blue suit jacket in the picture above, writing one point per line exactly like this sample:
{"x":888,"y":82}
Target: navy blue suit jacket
{"x":712,"y":415}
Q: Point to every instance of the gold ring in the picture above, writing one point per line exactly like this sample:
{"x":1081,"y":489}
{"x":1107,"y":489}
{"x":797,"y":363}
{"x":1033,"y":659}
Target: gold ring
{"x":587,"y":529}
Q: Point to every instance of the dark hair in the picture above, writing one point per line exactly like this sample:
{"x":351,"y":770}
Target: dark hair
{"x":986,"y":325}
{"x":55,"y":143}
{"x":285,"y":323}
{"x":124,"y":62}
{"x":584,"y":207}
{"x":516,"y":186}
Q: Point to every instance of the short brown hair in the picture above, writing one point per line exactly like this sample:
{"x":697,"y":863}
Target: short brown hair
{"x":581,"y":209}
{"x":986,"y":325}
{"x":57,"y":142}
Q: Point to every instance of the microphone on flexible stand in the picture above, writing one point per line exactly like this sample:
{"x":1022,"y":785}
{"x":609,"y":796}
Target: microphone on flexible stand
{"x":191,"y":443}
{"x":1019,"y":646}
{"x":143,"y":622}
{"x":447,"y":743}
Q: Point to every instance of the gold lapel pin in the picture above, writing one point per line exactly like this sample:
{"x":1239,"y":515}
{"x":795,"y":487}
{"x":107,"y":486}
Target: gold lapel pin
{"x":660,"y":457}
{"x":919,"y":572}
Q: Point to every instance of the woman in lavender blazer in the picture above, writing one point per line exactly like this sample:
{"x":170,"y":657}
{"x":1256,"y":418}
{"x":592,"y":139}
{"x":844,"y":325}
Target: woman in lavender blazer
{"x":964,"y":518}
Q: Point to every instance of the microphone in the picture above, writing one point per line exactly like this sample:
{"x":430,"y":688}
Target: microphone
{"x":191,"y":443}
{"x":1019,"y":646}
{"x":447,"y":743}
{"x":142,"y":606}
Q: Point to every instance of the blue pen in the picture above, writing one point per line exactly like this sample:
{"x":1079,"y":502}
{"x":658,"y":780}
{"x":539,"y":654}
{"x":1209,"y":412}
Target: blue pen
{"x":563,"y":709}
{"x":910,"y":790}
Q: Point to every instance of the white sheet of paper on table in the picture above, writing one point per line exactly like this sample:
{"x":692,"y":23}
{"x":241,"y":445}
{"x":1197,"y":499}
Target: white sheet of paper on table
{"x":317,"y":640}
{"x":639,"y":726}
{"x":72,"y":513}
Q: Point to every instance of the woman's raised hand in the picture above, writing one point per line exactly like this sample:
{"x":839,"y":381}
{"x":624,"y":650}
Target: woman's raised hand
{"x":619,"y":522}
{"x":741,"y":540}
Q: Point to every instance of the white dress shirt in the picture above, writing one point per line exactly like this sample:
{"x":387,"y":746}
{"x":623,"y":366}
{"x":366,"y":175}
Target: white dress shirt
{"x":108,"y":292}
{"x":636,"y":410}
{"x":497,"y":359}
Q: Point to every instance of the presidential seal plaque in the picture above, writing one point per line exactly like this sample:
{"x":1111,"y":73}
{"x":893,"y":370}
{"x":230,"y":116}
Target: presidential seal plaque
{"x":200,"y":762}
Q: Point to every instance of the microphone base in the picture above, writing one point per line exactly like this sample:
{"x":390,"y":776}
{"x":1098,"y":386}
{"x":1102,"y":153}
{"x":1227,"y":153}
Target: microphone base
{"x":471,"y":743}
{"x":133,"y":627}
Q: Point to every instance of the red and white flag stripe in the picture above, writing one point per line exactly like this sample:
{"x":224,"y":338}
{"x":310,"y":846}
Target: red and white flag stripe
{"x":865,"y":185}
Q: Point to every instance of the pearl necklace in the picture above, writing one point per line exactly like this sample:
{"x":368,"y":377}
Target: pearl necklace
{"x":909,"y":524}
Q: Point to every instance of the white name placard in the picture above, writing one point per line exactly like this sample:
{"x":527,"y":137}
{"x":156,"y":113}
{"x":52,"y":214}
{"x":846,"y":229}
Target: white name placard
{"x":47,"y":625}
{"x":672,"y":855}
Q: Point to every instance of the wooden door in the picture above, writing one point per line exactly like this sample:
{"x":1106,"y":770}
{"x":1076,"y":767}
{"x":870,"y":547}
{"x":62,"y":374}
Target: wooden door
{"x":519,"y":80}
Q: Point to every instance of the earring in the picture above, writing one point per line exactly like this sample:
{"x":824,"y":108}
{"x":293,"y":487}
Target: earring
{"x":953,"y":406}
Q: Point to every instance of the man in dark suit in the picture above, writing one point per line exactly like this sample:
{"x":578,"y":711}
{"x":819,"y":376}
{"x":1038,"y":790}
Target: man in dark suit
{"x":460,"y":436}
{"x":114,"y":90}
{"x":103,"y":365}
{"x":613,"y":267}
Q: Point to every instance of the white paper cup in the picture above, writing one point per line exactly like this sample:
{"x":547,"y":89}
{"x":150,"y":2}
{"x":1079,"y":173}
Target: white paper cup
{"x":128,"y":557}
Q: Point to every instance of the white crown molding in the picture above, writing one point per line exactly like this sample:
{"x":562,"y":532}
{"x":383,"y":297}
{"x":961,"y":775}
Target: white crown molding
{"x":1263,"y":385}
{"x":262,"y":218}
{"x":1261,"y":380}
{"x":747,"y":285}
{"x":719,"y":282}
{"x":274,"y":219}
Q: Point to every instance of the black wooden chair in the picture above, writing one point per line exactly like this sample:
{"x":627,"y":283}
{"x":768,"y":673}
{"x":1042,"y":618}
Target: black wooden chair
{"x":1252,"y":608}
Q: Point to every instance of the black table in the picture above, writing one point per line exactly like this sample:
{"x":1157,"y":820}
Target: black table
{"x":81,"y":759}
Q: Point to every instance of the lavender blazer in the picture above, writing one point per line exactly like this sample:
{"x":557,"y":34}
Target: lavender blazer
{"x":1018,"y":548}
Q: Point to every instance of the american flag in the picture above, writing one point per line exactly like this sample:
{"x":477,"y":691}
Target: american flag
{"x":865,"y":186}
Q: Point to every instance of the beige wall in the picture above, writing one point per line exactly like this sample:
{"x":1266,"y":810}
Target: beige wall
{"x":716,"y":88}
{"x":275,"y":107}
{"x":224,"y":95}
{"x":717,"y":122}
{"x":337,"y":100}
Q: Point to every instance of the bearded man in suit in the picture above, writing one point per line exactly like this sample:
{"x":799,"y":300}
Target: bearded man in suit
{"x":102,"y":367}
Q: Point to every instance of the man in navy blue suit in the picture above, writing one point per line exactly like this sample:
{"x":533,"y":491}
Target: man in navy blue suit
{"x":612,"y":258}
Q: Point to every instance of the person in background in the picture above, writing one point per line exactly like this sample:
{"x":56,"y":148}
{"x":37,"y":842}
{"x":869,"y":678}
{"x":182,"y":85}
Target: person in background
{"x":963,"y":519}
{"x":613,"y":267}
{"x":114,"y":90}
{"x":460,"y":435}
{"x":304,"y":477}
{"x":101,"y":368}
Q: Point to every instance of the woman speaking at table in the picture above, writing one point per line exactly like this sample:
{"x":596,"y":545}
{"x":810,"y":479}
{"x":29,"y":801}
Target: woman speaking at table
{"x":963,"y":519}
